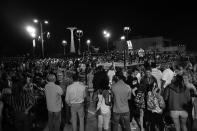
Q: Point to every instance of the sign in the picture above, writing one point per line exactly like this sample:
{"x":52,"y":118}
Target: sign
{"x":34,"y":43}
{"x":130,"y":45}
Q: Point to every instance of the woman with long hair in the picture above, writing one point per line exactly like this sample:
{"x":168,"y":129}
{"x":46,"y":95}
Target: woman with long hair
{"x":192,"y":110}
{"x":177,"y":97}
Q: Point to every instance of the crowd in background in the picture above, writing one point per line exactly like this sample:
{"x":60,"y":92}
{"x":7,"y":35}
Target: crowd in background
{"x":154,"y":95}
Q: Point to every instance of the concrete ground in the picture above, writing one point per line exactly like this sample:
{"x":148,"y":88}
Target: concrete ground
{"x":91,"y":120}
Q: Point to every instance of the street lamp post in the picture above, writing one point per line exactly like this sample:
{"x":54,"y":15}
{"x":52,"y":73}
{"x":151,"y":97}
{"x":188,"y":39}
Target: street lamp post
{"x":107,"y":44}
{"x":88,"y":44}
{"x":64,"y":43}
{"x":107,"y":36}
{"x":41,"y":33}
{"x":126,"y":30}
{"x":32,"y":31}
{"x":79,"y":34}
{"x":42,"y":40}
{"x":122,"y":38}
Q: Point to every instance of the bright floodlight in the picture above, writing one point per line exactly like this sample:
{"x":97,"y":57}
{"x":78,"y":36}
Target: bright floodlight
{"x":46,"y":22}
{"x":88,"y":41}
{"x":64,"y":41}
{"x":33,"y":35}
{"x":35,"y":21}
{"x":122,"y":37}
{"x":107,"y":35}
{"x":79,"y":31}
{"x":104,"y":32}
{"x":30,"y":29}
{"x":127,"y":28}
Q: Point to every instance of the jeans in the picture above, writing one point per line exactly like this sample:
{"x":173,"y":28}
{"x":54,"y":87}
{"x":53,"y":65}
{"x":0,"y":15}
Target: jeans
{"x":22,"y":121}
{"x":54,"y":121}
{"x":77,"y":109}
{"x":123,"y":119}
{"x":104,"y":120}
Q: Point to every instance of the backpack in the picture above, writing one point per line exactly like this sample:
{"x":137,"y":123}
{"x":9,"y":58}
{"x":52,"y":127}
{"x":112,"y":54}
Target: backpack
{"x":107,"y":96}
{"x":154,"y":103}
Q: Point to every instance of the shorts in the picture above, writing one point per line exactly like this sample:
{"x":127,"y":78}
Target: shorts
{"x":104,"y":120}
{"x":177,"y":114}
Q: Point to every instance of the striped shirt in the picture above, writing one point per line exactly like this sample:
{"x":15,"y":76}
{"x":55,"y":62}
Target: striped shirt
{"x":21,"y":101}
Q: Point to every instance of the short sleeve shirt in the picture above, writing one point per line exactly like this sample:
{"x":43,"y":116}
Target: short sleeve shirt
{"x":122,"y":93}
{"x":167,"y":76}
{"x":53,"y":94}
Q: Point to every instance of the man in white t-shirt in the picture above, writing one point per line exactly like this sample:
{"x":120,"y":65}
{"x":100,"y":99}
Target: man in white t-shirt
{"x":111,"y":74}
{"x":53,"y":94}
{"x":157,"y":74}
{"x":75,"y":97}
{"x":167,"y":76}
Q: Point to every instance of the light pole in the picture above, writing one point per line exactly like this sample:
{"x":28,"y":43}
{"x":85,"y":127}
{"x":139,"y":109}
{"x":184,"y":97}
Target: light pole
{"x":64,"y":43}
{"x":122,"y":38}
{"x":79,"y":34}
{"x":107,"y":35}
{"x":41,"y":32}
{"x":127,"y":29}
{"x":32,"y":31}
{"x":88,"y":44}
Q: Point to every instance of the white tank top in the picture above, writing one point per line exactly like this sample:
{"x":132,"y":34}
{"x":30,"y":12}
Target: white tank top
{"x":104,"y":108}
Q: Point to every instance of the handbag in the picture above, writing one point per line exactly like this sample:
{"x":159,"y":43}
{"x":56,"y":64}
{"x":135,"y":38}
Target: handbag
{"x":153,"y":102}
{"x":108,"y":99}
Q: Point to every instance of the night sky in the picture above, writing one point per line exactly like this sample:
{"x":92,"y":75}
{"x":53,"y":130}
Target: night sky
{"x":176,"y":21}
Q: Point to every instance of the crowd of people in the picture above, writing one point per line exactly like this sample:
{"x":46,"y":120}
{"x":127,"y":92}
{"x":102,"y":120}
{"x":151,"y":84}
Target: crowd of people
{"x":154,"y":95}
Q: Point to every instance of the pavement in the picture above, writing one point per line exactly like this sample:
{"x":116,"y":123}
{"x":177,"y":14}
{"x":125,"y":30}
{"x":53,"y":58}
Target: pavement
{"x":90,"y":119}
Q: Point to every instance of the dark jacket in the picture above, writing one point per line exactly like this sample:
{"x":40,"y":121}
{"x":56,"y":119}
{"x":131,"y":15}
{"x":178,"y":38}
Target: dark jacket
{"x":177,"y":96}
